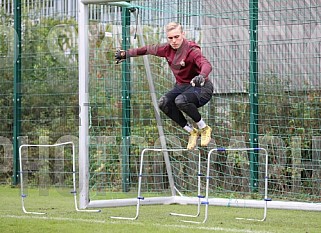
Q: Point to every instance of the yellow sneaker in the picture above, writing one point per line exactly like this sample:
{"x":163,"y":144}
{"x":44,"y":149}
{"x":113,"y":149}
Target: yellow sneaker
{"x":206,"y":135}
{"x":192,"y":140}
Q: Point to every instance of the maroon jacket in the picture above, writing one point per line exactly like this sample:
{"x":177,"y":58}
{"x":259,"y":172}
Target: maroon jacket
{"x":186,"y":62}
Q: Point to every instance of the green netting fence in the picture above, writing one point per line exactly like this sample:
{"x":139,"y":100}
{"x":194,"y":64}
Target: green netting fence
{"x":269,"y":97}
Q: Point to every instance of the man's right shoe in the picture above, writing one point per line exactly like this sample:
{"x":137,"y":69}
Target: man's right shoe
{"x":192,"y":140}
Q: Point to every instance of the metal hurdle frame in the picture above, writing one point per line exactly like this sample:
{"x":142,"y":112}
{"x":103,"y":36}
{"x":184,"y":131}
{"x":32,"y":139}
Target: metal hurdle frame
{"x":74,"y":192}
{"x":199,"y":196}
{"x":266,"y":199}
{"x":140,"y":197}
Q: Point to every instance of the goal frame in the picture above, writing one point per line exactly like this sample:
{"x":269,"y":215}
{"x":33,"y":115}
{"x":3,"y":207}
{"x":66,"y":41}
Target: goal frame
{"x":84,"y":201}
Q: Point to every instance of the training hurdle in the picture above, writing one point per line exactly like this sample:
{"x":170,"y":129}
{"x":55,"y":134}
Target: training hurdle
{"x":140,"y":175}
{"x":266,"y":199}
{"x":74,"y":191}
{"x":201,"y":200}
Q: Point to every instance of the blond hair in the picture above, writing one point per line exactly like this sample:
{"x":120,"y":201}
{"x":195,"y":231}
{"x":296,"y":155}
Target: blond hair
{"x":173,"y":25}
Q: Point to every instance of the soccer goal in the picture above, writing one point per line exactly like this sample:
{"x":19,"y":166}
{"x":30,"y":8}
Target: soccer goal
{"x":85,"y":113}
{"x":119,"y":117}
{"x":177,"y":175}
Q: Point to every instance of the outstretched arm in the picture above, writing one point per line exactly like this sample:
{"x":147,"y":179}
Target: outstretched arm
{"x":156,"y":50}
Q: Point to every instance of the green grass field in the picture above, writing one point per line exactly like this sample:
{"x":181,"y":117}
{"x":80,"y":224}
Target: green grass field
{"x":62,"y":217}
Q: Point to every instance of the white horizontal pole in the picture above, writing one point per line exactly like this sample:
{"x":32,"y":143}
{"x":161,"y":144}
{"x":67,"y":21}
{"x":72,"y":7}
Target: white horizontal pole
{"x":109,"y":2}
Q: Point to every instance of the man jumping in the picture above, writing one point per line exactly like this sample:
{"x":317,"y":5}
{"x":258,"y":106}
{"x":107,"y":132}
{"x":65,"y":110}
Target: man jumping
{"x":192,"y":89}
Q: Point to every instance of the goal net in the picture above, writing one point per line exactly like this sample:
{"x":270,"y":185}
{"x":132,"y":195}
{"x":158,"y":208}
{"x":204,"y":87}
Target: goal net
{"x":119,"y":118}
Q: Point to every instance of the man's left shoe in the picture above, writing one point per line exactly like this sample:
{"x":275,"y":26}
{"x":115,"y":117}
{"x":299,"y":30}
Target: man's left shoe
{"x":205,"y":135}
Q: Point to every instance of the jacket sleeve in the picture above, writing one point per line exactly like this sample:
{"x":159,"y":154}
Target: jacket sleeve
{"x":156,"y":50}
{"x":202,"y":62}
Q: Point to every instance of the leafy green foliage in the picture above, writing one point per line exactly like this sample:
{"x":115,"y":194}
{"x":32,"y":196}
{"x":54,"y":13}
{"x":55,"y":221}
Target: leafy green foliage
{"x":285,"y":115}
{"x":49,"y":87}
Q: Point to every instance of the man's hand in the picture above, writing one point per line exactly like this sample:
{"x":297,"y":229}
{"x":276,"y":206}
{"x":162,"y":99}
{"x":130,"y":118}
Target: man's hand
{"x":120,"y":56}
{"x":198,"y":81}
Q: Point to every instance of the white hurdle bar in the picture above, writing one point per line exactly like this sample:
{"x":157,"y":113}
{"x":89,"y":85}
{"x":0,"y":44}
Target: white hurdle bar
{"x":139,"y":196}
{"x":74,"y":192}
{"x":266,"y":199}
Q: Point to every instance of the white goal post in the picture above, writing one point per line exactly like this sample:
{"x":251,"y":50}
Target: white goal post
{"x":111,"y":2}
{"x":83,"y":22}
